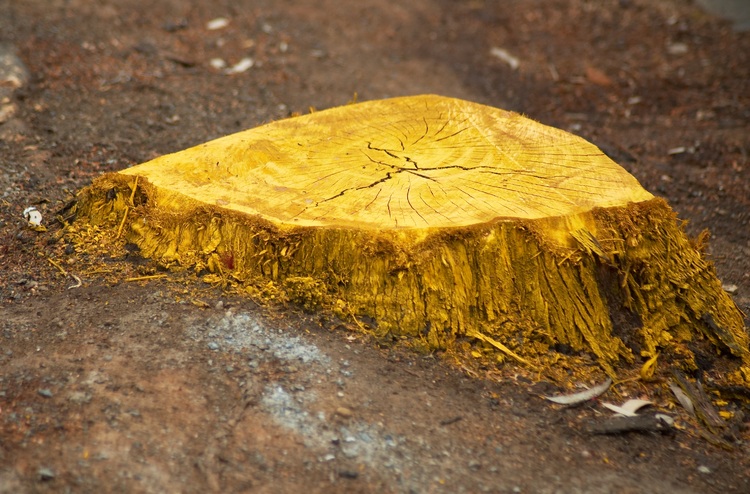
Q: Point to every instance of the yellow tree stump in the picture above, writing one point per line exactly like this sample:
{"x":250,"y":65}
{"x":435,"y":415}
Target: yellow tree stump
{"x":437,"y":219}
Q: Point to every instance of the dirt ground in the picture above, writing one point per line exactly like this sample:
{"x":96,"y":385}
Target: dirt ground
{"x":118,"y":386}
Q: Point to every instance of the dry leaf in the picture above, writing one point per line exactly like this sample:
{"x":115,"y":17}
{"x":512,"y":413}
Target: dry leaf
{"x":596,"y":76}
{"x":577,"y":398}
{"x":629,"y":408}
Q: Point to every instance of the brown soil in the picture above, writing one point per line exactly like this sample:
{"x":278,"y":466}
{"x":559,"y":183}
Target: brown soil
{"x":164,"y":386}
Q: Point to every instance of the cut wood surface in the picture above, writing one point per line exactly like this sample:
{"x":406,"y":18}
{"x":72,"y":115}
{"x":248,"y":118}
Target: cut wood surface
{"x":413,"y":162}
{"x":440,"y":220}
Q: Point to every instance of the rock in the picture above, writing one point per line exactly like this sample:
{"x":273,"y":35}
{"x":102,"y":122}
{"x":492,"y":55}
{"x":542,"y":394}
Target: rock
{"x":350,"y":451}
{"x":45,"y":474}
{"x":7,"y":110}
{"x":13,"y":75}
{"x":12,"y":70}
{"x":344,"y":412}
{"x":45,"y":392}
{"x":729,"y":288}
{"x":79,"y":397}
{"x":677,"y":48}
{"x":218,"y":23}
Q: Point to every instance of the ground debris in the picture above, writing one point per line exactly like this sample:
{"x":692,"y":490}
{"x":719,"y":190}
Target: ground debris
{"x":45,"y":474}
{"x":583,"y":396}
{"x":638,"y":423}
{"x":703,"y":408}
{"x":629,"y":408}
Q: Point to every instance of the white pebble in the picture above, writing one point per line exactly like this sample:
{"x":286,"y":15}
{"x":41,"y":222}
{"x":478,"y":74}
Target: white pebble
{"x":218,"y":23}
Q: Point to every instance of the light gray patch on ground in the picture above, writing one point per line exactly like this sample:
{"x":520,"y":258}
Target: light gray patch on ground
{"x":360,"y":442}
{"x":355,"y":441}
{"x":243,"y":332}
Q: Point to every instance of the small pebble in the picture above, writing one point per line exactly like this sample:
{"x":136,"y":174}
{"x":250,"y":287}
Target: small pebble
{"x":344,"y":412}
{"x":79,"y":397}
{"x":45,"y":474}
{"x":704,"y":469}
{"x":677,"y":48}
{"x":241,"y":66}
{"x":45,"y":392}
{"x":213,"y":345}
{"x":218,"y":23}
{"x":217,"y":63}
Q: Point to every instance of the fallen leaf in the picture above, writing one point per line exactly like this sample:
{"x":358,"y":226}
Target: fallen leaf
{"x":576,"y":398}
{"x":683,"y":398}
{"x":596,"y":76}
{"x":629,"y":408}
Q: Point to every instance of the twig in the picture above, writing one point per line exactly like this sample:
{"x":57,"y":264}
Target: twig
{"x":451,"y":420}
{"x":57,"y":265}
{"x":65,"y":273}
{"x":150,"y":277}
{"x":502,"y":348}
{"x":77,"y":284}
{"x":356,"y":321}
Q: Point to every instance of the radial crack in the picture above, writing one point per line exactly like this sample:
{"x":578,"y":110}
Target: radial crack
{"x":373,"y":184}
{"x":408,"y":200}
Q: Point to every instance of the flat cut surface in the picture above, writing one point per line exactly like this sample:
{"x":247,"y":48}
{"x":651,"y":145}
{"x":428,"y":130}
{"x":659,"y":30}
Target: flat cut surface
{"x":415,"y":162}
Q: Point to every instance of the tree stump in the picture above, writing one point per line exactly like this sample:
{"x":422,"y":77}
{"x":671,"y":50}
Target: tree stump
{"x":437,"y":219}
